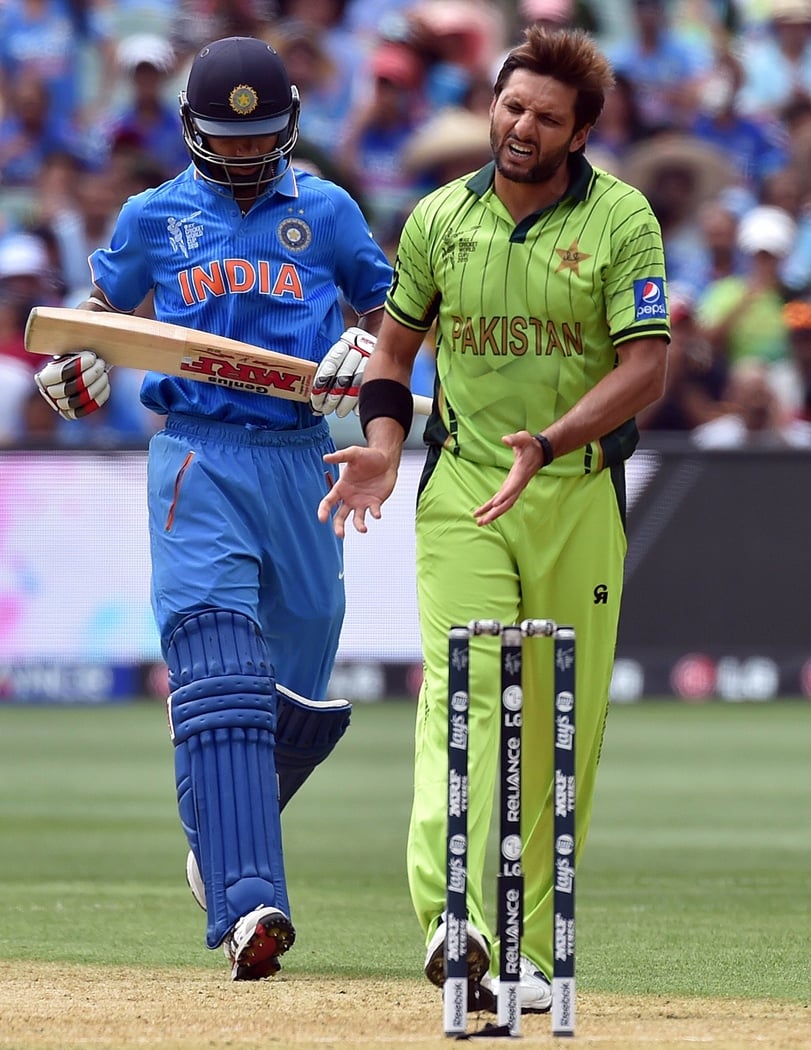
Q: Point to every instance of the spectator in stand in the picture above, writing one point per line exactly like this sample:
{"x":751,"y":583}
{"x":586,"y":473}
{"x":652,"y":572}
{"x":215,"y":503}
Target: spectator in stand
{"x":83,"y":223}
{"x":324,"y":111}
{"x":26,"y":279}
{"x":29,"y":131}
{"x":743,"y":315}
{"x":662,"y":66}
{"x":678,"y":173}
{"x":34,"y":424}
{"x":460,"y":41}
{"x":755,"y":148}
{"x":324,"y":83}
{"x":330,"y":16}
{"x":55,"y":187}
{"x":550,"y":14}
{"x":133,"y":171}
{"x":708,"y":24}
{"x":797,"y":121}
{"x":695,"y":377}
{"x":555,"y":14}
{"x":479,"y":94}
{"x":54,"y":38}
{"x":711,"y":251}
{"x":792,"y":378}
{"x":619,"y":128}
{"x":134,"y":16}
{"x":371,"y":22}
{"x":777,"y":62}
{"x":718,"y":221}
{"x":196,"y":22}
{"x":12,"y":342}
{"x":452,"y":143}
{"x":150,"y":119}
{"x":546,"y":14}
{"x":377,"y":131}
{"x":757,"y":419}
{"x":790,"y":190}
{"x":15,"y":373}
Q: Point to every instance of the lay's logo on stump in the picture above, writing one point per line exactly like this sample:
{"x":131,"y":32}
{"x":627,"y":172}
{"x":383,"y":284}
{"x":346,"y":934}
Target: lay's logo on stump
{"x":649,"y":299}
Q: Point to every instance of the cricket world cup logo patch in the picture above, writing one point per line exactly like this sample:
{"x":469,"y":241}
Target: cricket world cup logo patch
{"x":184,"y":233}
{"x":649,"y":299}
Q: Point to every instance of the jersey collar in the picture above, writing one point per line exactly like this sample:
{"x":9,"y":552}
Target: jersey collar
{"x":286,"y":185}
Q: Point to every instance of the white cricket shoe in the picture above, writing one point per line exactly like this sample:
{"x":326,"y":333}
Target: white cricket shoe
{"x":536,"y":991}
{"x":478,"y":963}
{"x":195,"y":880}
{"x":256,"y":941}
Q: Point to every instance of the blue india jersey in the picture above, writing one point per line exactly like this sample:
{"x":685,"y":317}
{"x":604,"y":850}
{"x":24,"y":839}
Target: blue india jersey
{"x":275,"y":277}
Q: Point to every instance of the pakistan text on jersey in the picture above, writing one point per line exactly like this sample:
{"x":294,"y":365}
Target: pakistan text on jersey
{"x":238,"y":276}
{"x":501,"y":336}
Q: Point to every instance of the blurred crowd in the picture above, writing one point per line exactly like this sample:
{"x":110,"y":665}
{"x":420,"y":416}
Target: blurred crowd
{"x":710,"y":117}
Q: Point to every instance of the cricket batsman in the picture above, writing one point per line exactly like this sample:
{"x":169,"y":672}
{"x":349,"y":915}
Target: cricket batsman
{"x":247,"y":587}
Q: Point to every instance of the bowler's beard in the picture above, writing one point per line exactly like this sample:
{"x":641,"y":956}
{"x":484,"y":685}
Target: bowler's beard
{"x":547,"y":166}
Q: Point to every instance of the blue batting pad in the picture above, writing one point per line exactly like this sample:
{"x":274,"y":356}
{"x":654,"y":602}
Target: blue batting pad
{"x":222,"y":715}
{"x":306,"y":733}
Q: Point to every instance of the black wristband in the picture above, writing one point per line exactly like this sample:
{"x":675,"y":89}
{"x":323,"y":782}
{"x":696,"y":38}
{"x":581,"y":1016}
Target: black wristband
{"x":385,"y":397}
{"x":546,"y":449}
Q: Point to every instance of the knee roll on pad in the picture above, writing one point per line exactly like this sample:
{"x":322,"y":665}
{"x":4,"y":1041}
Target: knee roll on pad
{"x":306,"y":732}
{"x":216,"y":642}
{"x":222,"y":717}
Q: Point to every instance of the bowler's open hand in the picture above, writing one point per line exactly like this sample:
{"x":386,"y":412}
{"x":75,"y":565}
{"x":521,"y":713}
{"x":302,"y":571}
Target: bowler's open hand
{"x":527,"y":461}
{"x":365,"y":482}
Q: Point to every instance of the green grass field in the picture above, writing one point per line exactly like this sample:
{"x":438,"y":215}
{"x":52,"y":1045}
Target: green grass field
{"x":695,"y":881}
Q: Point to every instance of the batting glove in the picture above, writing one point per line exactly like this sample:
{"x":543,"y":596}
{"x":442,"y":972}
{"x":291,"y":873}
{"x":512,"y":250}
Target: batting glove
{"x":337,"y":380}
{"x":74,"y":385}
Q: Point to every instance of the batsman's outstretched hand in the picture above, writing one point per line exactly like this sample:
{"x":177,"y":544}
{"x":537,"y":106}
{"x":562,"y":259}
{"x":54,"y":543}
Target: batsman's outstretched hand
{"x":527,"y":461}
{"x":74,"y":385}
{"x":336,"y":383}
{"x":366,"y":481}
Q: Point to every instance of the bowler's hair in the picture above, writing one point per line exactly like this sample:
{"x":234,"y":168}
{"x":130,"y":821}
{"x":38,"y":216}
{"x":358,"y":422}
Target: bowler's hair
{"x":568,"y":55}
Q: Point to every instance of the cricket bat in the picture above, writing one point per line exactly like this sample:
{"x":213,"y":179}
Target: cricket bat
{"x":155,"y":346}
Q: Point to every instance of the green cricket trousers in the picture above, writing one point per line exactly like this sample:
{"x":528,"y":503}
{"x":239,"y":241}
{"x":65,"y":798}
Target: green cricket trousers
{"x":557,"y":554}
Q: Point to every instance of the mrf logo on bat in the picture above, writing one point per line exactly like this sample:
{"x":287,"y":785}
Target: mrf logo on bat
{"x":252,"y":376}
{"x":649,"y":299}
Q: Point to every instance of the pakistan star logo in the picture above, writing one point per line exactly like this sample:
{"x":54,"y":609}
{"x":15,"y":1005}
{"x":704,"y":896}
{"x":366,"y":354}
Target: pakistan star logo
{"x":570,"y":258}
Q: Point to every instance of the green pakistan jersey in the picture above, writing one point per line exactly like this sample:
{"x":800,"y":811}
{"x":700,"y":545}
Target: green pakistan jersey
{"x":529,"y":316}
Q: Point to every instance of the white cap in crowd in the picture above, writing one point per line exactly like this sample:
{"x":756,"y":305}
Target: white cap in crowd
{"x":767,"y":229}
